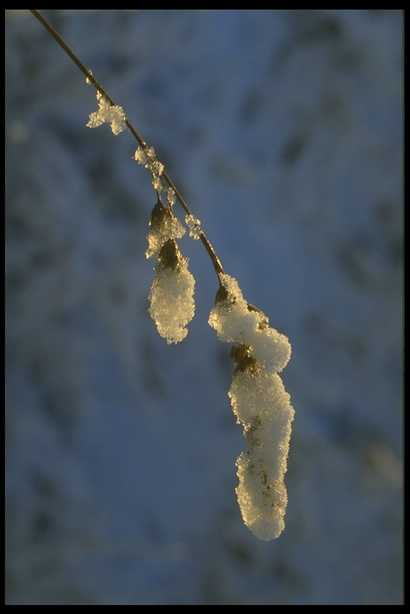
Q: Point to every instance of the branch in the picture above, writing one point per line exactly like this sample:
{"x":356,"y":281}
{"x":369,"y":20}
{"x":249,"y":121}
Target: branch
{"x":135,"y":133}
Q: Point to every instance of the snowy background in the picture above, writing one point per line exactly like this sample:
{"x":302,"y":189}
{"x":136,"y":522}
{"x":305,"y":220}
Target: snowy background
{"x":283,"y":129}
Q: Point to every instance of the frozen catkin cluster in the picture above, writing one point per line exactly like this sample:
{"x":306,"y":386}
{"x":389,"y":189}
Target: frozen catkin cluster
{"x":107,"y":114}
{"x":258,"y":399}
{"x":261,"y":405}
{"x":171,"y":296}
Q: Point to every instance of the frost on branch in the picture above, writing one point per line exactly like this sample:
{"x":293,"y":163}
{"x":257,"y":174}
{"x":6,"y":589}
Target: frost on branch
{"x":171,"y":197}
{"x":146,"y":156}
{"x":194,"y":225}
{"x":163,"y":226}
{"x":261,"y":405}
{"x":171,"y":296}
{"x":235,"y":321}
{"x":107,"y":114}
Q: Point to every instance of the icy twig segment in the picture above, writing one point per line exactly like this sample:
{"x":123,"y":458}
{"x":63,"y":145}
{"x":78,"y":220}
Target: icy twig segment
{"x":108,"y":114}
{"x":146,"y":157}
{"x":171,"y":296}
{"x":90,"y":80}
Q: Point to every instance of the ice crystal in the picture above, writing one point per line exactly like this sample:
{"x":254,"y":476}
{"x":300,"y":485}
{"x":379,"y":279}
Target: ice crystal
{"x":157,"y":183}
{"x":150,"y":151}
{"x":171,"y":196}
{"x":140,"y":156}
{"x":235,"y":321}
{"x":194,"y":225}
{"x":109,"y":114}
{"x":171,"y":296}
{"x":157,"y":168}
{"x":162,"y":227}
{"x":147,"y":158}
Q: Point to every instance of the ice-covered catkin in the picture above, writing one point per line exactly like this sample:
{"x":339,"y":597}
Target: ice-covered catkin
{"x":171,"y":297}
{"x":163,"y":226}
{"x":109,"y":114}
{"x":262,"y":503}
{"x":262,"y":407}
{"x":235,"y":321}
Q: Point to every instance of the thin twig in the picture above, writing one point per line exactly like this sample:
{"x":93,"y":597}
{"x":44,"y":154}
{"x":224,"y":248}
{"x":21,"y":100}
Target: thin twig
{"x":135,"y":133}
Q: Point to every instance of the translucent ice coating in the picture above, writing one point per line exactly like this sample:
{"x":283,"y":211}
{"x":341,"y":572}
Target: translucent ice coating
{"x":260,"y":404}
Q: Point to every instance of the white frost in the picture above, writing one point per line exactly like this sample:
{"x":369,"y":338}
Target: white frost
{"x":262,"y":407}
{"x":146,"y":157}
{"x":171,"y":299}
{"x":235,"y":322}
{"x":194,"y":225}
{"x":108,"y":114}
{"x":171,"y":197}
{"x":262,"y":503}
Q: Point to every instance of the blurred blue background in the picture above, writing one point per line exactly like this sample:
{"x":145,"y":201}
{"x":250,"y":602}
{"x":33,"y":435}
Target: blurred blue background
{"x":284,"y":130}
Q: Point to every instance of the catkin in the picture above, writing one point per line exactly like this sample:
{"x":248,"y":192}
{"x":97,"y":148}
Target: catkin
{"x":261,"y":405}
{"x":171,"y":296}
